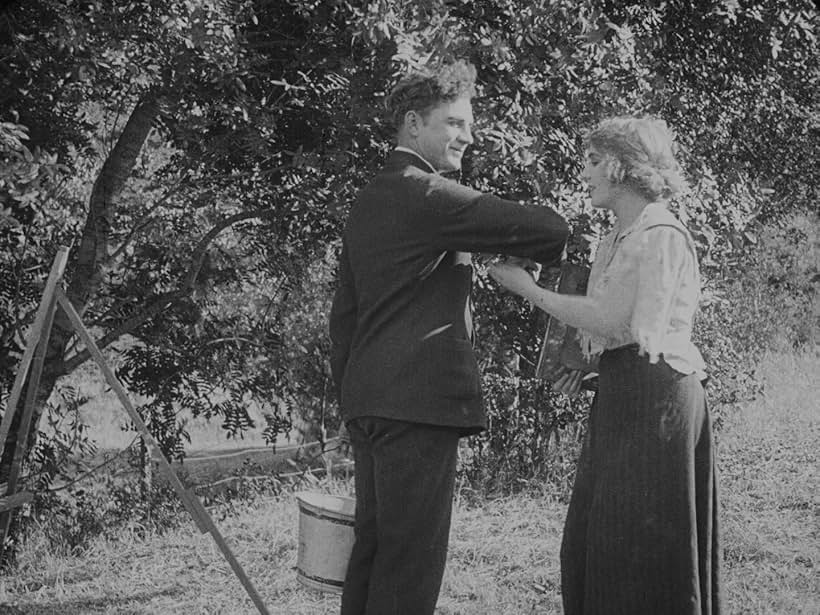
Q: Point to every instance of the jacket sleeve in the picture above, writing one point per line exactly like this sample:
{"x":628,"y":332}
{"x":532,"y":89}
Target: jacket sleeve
{"x":457,"y":217}
{"x":343,"y":315}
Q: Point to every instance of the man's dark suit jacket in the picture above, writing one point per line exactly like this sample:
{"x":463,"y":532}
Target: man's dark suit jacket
{"x":401,"y":324}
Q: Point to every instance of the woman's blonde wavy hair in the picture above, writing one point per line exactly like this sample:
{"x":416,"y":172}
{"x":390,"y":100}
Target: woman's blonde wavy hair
{"x":639,"y":152}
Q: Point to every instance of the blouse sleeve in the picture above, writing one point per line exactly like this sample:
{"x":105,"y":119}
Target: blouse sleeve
{"x":663,"y":258}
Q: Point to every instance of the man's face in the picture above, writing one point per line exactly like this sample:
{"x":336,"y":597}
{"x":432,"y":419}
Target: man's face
{"x":442,"y":136}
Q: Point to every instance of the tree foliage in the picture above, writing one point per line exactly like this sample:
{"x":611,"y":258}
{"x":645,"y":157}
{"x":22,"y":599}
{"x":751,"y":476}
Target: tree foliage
{"x":199,"y":157}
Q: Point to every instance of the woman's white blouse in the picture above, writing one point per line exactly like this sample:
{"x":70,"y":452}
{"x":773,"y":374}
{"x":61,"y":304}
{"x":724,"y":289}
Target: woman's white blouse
{"x":647,"y":275}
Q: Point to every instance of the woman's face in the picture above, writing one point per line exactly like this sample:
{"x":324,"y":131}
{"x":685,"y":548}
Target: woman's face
{"x":601,"y":189}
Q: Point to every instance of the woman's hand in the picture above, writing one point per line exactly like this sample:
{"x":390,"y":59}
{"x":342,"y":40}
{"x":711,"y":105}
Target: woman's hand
{"x":568,"y":381}
{"x":513,"y":277}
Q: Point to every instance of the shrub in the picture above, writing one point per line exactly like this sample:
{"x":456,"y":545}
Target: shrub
{"x":765,"y":299}
{"x":532,"y":437}
{"x":71,"y":518}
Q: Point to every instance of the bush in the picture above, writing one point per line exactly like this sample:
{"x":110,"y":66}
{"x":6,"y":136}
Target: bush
{"x":766,"y":299}
{"x":532,"y":437}
{"x":72,"y":518}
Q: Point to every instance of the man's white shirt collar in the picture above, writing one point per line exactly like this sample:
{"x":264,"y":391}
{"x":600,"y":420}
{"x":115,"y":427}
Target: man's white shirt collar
{"x":407,"y":150}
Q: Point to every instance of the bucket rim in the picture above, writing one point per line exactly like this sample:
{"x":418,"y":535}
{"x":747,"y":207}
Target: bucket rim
{"x":302,"y":495}
{"x":318,"y":502}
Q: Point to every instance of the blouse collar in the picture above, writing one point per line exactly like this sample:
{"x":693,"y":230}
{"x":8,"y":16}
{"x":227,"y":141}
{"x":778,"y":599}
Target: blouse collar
{"x":649,"y":213}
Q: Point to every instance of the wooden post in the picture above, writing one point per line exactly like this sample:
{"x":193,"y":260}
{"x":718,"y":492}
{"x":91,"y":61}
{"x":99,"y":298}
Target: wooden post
{"x":46,"y":305}
{"x":35,"y":353}
{"x":189,"y":500}
{"x":34,"y":357}
{"x":25,"y":421}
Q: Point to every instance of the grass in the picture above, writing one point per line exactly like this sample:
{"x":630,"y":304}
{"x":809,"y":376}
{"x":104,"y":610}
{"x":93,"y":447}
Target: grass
{"x":503,"y":553}
{"x":771,"y":501}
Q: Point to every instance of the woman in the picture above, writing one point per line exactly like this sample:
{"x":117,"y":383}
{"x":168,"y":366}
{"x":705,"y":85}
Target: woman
{"x":641,"y":534}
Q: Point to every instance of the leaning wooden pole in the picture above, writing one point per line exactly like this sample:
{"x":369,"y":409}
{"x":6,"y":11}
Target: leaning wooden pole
{"x":31,"y":366}
{"x":25,"y":421}
{"x":189,"y":499}
{"x":46,"y":304}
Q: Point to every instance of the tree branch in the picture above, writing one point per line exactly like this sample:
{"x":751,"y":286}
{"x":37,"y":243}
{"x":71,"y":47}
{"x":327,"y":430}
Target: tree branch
{"x":202,"y":246}
{"x":165,"y":300}
{"x":143,"y":222}
{"x":214,"y":178}
{"x":158,"y":305}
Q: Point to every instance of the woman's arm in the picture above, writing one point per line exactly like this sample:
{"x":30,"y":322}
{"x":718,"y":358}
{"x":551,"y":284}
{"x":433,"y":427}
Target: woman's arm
{"x":643,"y":312}
{"x":577,"y":311}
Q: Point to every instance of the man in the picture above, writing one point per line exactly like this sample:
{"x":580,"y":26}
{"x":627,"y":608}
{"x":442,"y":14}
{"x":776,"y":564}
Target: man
{"x":401,"y":331}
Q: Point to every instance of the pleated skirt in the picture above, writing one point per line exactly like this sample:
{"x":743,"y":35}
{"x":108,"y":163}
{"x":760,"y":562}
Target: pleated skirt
{"x":641,"y":535}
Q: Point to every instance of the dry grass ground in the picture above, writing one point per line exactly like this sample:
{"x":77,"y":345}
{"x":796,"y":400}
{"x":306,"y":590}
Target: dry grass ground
{"x":504,"y":553}
{"x":771,"y":494}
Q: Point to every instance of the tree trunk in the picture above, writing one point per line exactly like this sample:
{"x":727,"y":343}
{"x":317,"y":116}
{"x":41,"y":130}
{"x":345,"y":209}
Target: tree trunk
{"x":87,"y":263}
{"x":93,"y":250}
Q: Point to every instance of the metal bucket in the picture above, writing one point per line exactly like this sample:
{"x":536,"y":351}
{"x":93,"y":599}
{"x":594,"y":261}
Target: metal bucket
{"x":325,"y":540}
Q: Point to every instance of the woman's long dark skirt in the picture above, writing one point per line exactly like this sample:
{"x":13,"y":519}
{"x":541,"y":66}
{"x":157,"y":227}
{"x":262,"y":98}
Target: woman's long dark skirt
{"x":641,"y":536}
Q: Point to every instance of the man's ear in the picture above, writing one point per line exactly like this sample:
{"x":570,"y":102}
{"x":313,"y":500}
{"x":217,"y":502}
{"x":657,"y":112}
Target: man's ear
{"x":412,"y":122}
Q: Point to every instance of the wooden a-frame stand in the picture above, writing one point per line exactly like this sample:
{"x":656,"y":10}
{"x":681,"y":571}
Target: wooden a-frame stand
{"x":34,"y":357}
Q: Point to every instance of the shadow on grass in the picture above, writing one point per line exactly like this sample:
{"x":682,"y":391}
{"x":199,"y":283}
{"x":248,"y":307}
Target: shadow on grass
{"x":91,"y":605}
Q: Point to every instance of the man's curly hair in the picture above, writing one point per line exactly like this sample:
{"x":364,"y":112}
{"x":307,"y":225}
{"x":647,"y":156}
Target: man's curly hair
{"x":421,"y":91}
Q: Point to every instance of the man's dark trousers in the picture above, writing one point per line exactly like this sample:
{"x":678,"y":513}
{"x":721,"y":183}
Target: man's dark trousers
{"x":404,"y":476}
